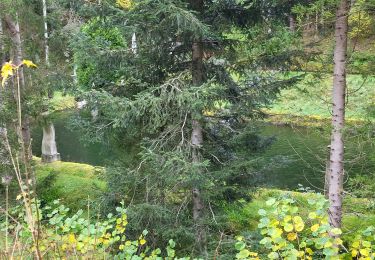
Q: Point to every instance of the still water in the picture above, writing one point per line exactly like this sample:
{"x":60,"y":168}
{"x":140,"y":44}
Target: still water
{"x":297,"y":156}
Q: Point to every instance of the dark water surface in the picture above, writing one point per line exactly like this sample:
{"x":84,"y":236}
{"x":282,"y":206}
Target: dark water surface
{"x":297,"y":156}
{"x":69,"y":143}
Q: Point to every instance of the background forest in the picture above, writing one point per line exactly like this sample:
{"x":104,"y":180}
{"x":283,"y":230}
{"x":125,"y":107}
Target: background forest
{"x":187,"y":129}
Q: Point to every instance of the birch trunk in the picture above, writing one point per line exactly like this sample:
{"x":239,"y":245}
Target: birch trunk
{"x":338,"y":115}
{"x":46,"y":46}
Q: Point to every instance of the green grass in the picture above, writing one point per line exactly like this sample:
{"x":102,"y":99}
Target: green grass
{"x":311,"y":98}
{"x":358,"y":213}
{"x":72,"y":183}
{"x":61,"y":102}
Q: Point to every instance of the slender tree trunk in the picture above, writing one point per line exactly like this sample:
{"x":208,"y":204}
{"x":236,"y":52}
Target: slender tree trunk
{"x":327,"y":174}
{"x":338,"y":115}
{"x":197,"y":142}
{"x":134,"y":44}
{"x":2,"y":47}
{"x":197,"y":135}
{"x":292,"y":23}
{"x":46,"y":46}
{"x":15,"y":34}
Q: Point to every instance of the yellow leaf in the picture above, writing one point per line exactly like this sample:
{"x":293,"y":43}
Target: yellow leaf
{"x":142,"y":241}
{"x":64,"y":246}
{"x":29,"y":63}
{"x":328,"y":244}
{"x":354,"y":253}
{"x":287,"y":218}
{"x":19,"y":196}
{"x":309,"y":251}
{"x":6,"y":72}
{"x":121,"y":247}
{"x":125,"y":4}
{"x":355,"y":244}
{"x":315,"y":227}
{"x":298,"y":223}
{"x":312,"y":215}
{"x":364,"y":252}
{"x":338,"y":241}
{"x":292,"y":236}
{"x":72,"y":238}
{"x":288,"y":227}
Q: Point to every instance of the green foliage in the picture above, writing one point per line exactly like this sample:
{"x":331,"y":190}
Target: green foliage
{"x":80,"y":237}
{"x":360,"y":20}
{"x":288,"y":234}
{"x":243,"y":215}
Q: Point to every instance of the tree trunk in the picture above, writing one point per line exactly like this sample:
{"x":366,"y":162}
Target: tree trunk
{"x":338,"y":115}
{"x":15,"y":34}
{"x":292,"y":23}
{"x":49,"y":148}
{"x":197,"y":135}
{"x":2,"y":47}
{"x":46,"y":46}
{"x":197,"y":142}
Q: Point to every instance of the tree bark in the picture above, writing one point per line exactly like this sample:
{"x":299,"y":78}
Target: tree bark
{"x":197,"y":142}
{"x":338,"y":115}
{"x":197,"y":135}
{"x":46,"y":46}
{"x":292,"y":23}
{"x":15,"y":34}
{"x":2,"y":47}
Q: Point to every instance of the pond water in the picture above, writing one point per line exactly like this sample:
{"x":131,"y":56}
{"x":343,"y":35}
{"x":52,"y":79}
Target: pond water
{"x":69,"y":143}
{"x":297,"y":156}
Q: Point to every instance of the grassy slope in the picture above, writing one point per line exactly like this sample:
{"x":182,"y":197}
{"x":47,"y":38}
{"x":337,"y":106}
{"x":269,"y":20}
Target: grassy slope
{"x":73,"y":183}
{"x":312,"y":97}
{"x":358,"y":213}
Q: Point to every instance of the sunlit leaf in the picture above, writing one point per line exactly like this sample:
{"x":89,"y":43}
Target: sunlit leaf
{"x":292,"y":236}
{"x":6,"y":72}
{"x":29,"y":63}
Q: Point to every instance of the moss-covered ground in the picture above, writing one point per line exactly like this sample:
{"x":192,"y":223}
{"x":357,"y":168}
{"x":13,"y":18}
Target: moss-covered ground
{"x":72,"y":183}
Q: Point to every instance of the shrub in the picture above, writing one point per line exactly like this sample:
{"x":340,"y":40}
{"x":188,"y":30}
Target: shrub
{"x":63,"y":237}
{"x":287,"y":234}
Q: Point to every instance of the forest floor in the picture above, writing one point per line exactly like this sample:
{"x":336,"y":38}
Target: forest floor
{"x":74,"y":184}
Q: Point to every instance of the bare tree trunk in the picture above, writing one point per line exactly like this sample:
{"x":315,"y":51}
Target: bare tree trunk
{"x":49,"y":148}
{"x":338,"y":115}
{"x":197,"y":136}
{"x":2,"y":47}
{"x":292,"y":23}
{"x":327,"y":174}
{"x":46,"y":46}
{"x":15,"y":34}
{"x":197,"y":142}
